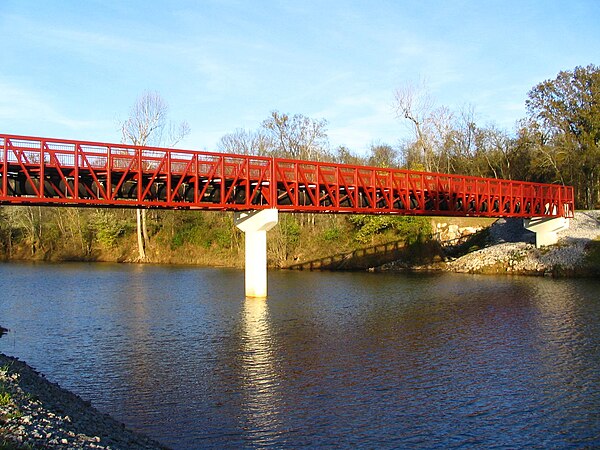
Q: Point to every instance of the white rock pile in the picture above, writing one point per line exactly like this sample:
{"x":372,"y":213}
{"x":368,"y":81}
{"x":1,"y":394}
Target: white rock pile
{"x":450,"y":233}
{"x":37,"y":414}
{"x":512,"y":248}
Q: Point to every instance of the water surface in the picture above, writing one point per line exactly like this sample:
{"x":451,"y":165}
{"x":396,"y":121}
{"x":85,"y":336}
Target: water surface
{"x":330,"y":359}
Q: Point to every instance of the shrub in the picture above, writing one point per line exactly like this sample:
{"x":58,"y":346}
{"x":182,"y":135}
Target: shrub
{"x":331,"y":234}
{"x":410,"y":228}
{"x":108,"y":228}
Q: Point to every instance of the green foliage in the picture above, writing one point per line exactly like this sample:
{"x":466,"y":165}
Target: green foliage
{"x":284,"y":238}
{"x":559,"y":141}
{"x":206,"y":230}
{"x":108,"y":229}
{"x":411,"y":228}
{"x":5,"y":228}
{"x":290,"y":228}
{"x":6,"y":444}
{"x":188,"y":231}
{"x":332,"y":234}
{"x":565,"y":115}
{"x":5,"y":396}
{"x":223,"y":237}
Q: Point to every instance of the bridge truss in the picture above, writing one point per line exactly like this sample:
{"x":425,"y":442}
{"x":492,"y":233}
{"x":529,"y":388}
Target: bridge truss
{"x":42,"y":171}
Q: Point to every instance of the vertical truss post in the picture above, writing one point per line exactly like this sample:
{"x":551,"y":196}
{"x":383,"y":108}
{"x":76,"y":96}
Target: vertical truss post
{"x":5,"y":168}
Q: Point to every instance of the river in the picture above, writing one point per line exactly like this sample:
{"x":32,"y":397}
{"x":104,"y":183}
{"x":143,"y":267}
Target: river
{"x":330,"y":359}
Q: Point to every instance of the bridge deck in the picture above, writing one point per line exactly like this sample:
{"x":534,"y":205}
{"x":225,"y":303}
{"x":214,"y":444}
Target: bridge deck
{"x":41,"y":171}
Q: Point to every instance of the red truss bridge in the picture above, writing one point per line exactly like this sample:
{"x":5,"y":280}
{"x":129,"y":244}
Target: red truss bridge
{"x":58,"y":172}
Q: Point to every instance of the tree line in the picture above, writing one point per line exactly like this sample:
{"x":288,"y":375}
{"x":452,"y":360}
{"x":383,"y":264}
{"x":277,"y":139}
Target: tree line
{"x":557,"y":142}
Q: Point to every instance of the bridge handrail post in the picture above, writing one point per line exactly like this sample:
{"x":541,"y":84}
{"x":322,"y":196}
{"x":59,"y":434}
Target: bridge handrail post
{"x":5,"y":168}
{"x":42,"y":163}
{"x":273,"y":184}
{"x":170,"y":194}
{"x":76,"y":171}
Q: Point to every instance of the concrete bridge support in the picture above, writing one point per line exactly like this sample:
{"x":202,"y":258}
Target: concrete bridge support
{"x":546,"y":229}
{"x":255,"y":225}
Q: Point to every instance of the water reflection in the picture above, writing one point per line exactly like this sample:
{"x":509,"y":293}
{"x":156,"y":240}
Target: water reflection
{"x":260,"y":379}
{"x":338,"y":360}
{"x":560,"y":329}
{"x":138,"y":333}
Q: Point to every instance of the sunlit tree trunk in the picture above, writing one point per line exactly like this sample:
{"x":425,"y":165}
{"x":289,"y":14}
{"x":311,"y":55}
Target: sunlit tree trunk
{"x":146,"y":126}
{"x":140,"y":236}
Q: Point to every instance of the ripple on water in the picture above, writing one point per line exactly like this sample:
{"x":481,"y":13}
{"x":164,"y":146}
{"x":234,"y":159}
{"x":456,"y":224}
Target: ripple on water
{"x":331,"y":359}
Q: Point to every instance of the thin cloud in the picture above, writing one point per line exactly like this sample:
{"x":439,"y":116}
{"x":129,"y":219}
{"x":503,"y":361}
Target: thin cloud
{"x":19,"y":104}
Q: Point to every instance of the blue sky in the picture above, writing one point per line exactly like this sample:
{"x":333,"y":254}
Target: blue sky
{"x":72,"y":69}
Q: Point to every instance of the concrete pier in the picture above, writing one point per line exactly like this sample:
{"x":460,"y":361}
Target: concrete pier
{"x":255,"y":225}
{"x":546,"y":229}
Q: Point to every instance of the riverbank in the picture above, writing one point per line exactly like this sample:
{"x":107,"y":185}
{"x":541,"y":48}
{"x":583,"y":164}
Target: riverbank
{"x":38,"y":414}
{"x":508,"y":248}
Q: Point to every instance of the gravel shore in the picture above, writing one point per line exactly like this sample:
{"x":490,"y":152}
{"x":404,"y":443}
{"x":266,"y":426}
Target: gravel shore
{"x":38,"y":414}
{"x":511,"y":249}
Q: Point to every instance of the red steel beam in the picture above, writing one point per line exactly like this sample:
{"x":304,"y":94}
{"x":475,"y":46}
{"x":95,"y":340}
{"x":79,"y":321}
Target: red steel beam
{"x":44,"y":171}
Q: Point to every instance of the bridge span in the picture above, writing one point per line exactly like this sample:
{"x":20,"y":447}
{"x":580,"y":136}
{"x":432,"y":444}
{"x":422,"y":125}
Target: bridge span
{"x":60,"y":172}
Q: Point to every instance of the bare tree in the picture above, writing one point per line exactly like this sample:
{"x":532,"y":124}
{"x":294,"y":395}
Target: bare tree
{"x":297,"y":136}
{"x":383,"y":155}
{"x":147,"y":125}
{"x":246,"y":143}
{"x":413,"y":102}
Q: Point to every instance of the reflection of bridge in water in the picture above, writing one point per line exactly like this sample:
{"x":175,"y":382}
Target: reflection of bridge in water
{"x":58,"y":172}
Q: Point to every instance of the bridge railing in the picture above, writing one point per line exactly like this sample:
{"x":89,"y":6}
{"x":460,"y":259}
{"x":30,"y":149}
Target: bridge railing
{"x":52,"y":171}
{"x":347,"y":188}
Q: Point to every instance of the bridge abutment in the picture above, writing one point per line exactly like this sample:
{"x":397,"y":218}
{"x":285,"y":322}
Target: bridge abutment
{"x":546,"y":229}
{"x":255,"y":225}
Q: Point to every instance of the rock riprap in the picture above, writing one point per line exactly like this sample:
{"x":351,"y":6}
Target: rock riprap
{"x":35,"y":413}
{"x":512,"y":248}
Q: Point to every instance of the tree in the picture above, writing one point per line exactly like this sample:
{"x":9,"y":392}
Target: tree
{"x":383,"y":155}
{"x":343,"y":155}
{"x":297,"y":137}
{"x":246,"y":143}
{"x":566,"y":113}
{"x":147,"y":125}
{"x":435,"y":131}
{"x":415,"y":104}
{"x":495,"y":149}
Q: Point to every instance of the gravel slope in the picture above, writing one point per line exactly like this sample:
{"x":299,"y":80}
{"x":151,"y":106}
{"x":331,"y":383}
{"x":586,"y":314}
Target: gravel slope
{"x":35,"y":413}
{"x":512,"y":248}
